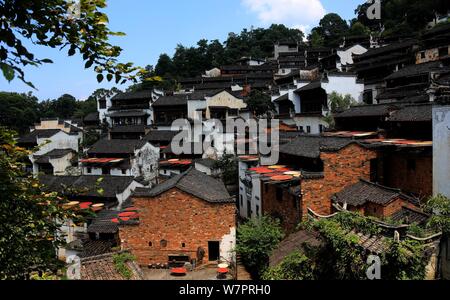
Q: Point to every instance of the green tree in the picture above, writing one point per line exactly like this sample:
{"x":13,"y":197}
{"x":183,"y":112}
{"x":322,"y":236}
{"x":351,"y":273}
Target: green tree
{"x":18,"y":111}
{"x":358,"y":29}
{"x":256,"y":240}
{"x":29,"y":232}
{"x":229,"y":168}
{"x":339,"y":102}
{"x":60,"y":24}
{"x":439,"y":207}
{"x":259,"y":103}
{"x":295,"y":266}
{"x":332,"y":28}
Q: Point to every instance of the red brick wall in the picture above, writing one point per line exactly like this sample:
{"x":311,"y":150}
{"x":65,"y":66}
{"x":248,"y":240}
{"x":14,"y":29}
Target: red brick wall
{"x":176,"y":217}
{"x":419,"y":182}
{"x":341,"y":169}
{"x":287,"y":209}
{"x":380,"y":211}
{"x":396,"y":206}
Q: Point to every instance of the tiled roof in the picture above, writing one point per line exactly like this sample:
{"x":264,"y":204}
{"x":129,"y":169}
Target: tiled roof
{"x":311,"y":86}
{"x":413,"y":113}
{"x":310,"y":146}
{"x":102,"y":223}
{"x":410,"y":216}
{"x":414,"y":70}
{"x":389,"y":48}
{"x":295,"y":242}
{"x":157,"y":136}
{"x":366,"y":192}
{"x":177,"y":100}
{"x":92,"y":117}
{"x":128,"y":113}
{"x":207,"y":162}
{"x":192,"y":182}
{"x":87,"y":185}
{"x":285,"y":97}
{"x":32,"y":137}
{"x":54,"y":154}
{"x":136,"y":95}
{"x":128,"y":129}
{"x":94,"y":248}
{"x":116,"y":146}
{"x":380,"y":110}
{"x":102,"y":267}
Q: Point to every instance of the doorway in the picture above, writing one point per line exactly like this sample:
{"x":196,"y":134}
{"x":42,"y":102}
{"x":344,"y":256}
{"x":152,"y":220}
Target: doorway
{"x":213,"y":251}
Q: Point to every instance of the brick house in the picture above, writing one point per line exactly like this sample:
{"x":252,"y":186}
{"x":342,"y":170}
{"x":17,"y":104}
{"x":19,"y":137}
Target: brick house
{"x":188,"y":217}
{"x":374,"y":200}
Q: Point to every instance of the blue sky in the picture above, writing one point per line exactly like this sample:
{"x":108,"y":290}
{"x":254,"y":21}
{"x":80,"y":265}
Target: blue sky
{"x":155,"y":27}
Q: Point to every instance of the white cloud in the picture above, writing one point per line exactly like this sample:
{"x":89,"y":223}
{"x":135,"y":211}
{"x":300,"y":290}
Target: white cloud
{"x":293,"y":13}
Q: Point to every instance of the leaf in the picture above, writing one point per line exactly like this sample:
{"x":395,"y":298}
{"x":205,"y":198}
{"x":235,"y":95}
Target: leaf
{"x":8,"y":71}
{"x":47,"y":61}
{"x":109,"y":77}
{"x":100,"y":77}
{"x":89,"y":64}
{"x":71,"y":51}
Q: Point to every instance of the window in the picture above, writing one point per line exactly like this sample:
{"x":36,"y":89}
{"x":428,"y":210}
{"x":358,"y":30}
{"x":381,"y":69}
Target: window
{"x":105,"y":171}
{"x":301,"y":129}
{"x":257,"y":210}
{"x":308,"y":129}
{"x":150,"y":244}
{"x":321,"y":128}
{"x":411,"y":165}
{"x":368,"y":97}
{"x":124,"y":171}
{"x":102,"y":104}
{"x":163,"y":243}
{"x":279,"y":194}
{"x":183,"y":245}
{"x":242,"y":200}
{"x":89,"y":170}
{"x":422,"y":55}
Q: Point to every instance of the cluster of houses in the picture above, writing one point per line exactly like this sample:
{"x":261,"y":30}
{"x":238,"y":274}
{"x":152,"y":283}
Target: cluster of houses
{"x":383,"y":157}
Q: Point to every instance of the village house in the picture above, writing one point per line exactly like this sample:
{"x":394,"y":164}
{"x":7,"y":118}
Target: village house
{"x":374,"y":200}
{"x":56,"y":153}
{"x":435,"y":45}
{"x":181,"y":220}
{"x":136,"y":158}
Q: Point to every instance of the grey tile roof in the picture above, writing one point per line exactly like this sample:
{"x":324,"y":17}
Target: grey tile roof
{"x":129,"y":129}
{"x":157,"y":136}
{"x":128,"y":113}
{"x":31,"y":138}
{"x":136,"y":95}
{"x":414,"y":70}
{"x":87,"y":185}
{"x":207,"y":162}
{"x":413,"y":113}
{"x":285,"y":97}
{"x":92,"y":117}
{"x":54,"y":154}
{"x":366,"y":192}
{"x":310,"y":146}
{"x":295,"y":242}
{"x":388,"y":48}
{"x":116,"y":146}
{"x":311,"y":86}
{"x":410,"y":216}
{"x":380,"y":110}
{"x":178,"y":100}
{"x":102,"y":267}
{"x":192,"y":182}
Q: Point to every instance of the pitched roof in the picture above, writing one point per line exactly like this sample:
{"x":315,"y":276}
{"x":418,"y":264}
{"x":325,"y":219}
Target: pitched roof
{"x":178,"y":100}
{"x":207,"y":162}
{"x":157,"y":136}
{"x":379,"y":110}
{"x":135,"y":95}
{"x":116,"y":146}
{"x":310,"y":146}
{"x":128,"y":113}
{"x":88,"y":186}
{"x":102,"y":267}
{"x":311,"y":86}
{"x":295,"y":242}
{"x":410,"y":216}
{"x":413,"y":113}
{"x":54,"y":154}
{"x":129,"y":129}
{"x":367,"y":192}
{"x":92,"y":117}
{"x":32,"y":137}
{"x":414,"y":70}
{"x":388,"y":48}
{"x":285,"y":97}
{"x":192,"y":182}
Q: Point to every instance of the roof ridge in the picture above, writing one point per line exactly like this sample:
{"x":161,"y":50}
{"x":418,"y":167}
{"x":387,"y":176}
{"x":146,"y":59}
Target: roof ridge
{"x":399,"y":191}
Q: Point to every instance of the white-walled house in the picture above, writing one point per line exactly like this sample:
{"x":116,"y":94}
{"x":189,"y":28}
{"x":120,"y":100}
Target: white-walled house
{"x":345,"y":56}
{"x":136,"y":158}
{"x":249,"y":202}
{"x":56,"y":150}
